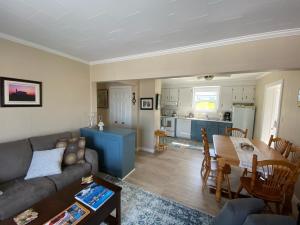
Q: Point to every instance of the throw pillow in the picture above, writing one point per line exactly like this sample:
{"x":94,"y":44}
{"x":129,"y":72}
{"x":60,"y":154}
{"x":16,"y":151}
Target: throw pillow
{"x":75,"y":150}
{"x":45,"y":163}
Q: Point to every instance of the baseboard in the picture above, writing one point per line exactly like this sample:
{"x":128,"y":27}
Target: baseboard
{"x":128,"y":174}
{"x":151,"y":150}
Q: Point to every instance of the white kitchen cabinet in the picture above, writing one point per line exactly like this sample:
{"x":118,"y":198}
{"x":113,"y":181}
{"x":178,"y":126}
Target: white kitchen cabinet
{"x":237,"y":94}
{"x":249,"y":94}
{"x":173,"y":94}
{"x":183,"y":128}
{"x":226,"y":99}
{"x":185,"y":97}
{"x":169,"y":94}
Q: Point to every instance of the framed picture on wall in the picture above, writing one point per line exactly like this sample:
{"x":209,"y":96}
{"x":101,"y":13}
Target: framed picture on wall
{"x":102,"y":98}
{"x":146,"y":103}
{"x":157,"y":101}
{"x":20,"y":93}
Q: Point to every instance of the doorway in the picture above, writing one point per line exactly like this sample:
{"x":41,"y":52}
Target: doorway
{"x":271,"y":111}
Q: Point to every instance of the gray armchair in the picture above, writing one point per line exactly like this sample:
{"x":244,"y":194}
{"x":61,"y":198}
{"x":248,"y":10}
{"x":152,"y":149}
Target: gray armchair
{"x":247,"y":211}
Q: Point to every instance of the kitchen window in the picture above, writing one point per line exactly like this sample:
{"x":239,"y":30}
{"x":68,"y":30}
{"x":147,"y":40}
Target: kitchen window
{"x":206,"y":99}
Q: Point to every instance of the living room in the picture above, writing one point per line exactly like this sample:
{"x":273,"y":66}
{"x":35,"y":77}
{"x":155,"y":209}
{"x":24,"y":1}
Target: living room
{"x":65,"y":50}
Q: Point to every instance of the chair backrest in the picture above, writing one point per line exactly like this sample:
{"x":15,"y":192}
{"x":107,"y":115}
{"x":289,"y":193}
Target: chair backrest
{"x":294,"y":154}
{"x":279,"y":144}
{"x":236,"y":132}
{"x":205,"y":147}
{"x":274,"y":175}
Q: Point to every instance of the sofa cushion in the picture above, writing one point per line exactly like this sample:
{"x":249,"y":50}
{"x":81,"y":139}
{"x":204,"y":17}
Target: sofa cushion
{"x":45,"y":163}
{"x":269,"y":219}
{"x":19,"y":195}
{"x":236,"y":211}
{"x":47,"y":142}
{"x":71,"y":174}
{"x":75,"y":150}
{"x":15,"y":160}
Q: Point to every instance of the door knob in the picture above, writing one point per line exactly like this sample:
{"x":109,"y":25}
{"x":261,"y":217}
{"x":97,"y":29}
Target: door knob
{"x":116,"y":121}
{"x":122,"y":123}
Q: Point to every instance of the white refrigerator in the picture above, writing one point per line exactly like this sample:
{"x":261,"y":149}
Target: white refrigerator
{"x":243,"y":117}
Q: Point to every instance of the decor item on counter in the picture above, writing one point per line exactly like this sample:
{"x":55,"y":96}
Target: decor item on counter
{"x":20,"y":93}
{"x":299,"y":98}
{"x":102,"y":98}
{"x":92,"y":117}
{"x":100,"y":125}
{"x":74,"y":150}
{"x":146,"y":103}
{"x":133,"y":98}
{"x":157,"y":101}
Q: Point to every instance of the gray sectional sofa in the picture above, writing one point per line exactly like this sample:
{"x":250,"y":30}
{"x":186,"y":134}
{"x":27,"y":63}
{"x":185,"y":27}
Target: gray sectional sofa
{"x":15,"y":158}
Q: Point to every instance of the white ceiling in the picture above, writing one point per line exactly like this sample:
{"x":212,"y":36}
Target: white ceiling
{"x":102,"y":29}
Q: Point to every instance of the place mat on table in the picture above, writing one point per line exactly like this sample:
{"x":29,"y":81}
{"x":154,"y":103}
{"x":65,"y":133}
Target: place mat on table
{"x":246,"y":156}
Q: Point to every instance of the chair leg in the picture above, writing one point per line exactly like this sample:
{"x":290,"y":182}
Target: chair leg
{"x":206,"y":175}
{"x":239,"y":191}
{"x":245,"y":172}
{"x":202,"y":169}
{"x":228,"y":186}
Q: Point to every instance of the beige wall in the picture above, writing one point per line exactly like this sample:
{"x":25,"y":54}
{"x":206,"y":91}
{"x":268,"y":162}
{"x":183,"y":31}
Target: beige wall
{"x":263,"y":55}
{"x":149,"y":120}
{"x":290,"y":112}
{"x":66,"y":92}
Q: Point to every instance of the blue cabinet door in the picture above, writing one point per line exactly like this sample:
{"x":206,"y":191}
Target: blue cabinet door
{"x":223,"y":126}
{"x":211,"y":129}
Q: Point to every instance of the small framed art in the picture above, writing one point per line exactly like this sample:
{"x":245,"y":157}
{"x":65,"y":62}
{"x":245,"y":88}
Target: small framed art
{"x":146,"y":103}
{"x":102,"y":98}
{"x":20,"y":93}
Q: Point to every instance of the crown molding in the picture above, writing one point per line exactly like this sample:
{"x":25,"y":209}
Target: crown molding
{"x":219,"y":43}
{"x":40,"y":47}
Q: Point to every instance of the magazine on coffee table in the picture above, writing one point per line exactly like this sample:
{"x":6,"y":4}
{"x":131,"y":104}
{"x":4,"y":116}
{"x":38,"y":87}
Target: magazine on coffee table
{"x":94,"y":195}
{"x":70,"y":216}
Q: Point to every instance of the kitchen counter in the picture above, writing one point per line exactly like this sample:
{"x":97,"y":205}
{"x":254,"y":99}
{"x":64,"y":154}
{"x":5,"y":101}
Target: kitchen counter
{"x":193,"y":118}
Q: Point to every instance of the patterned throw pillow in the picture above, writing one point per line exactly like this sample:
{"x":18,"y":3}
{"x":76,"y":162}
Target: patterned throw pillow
{"x":75,"y":150}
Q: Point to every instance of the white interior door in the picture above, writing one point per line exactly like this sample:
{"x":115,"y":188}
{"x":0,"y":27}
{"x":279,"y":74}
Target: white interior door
{"x":271,"y":112}
{"x":120,"y":107}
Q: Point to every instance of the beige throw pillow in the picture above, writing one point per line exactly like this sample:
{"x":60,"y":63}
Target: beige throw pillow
{"x":75,"y":150}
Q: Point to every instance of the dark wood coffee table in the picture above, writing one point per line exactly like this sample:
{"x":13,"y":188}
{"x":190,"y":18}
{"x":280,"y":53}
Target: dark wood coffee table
{"x":51,"y":206}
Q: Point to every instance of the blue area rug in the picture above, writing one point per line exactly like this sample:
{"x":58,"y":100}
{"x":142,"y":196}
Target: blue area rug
{"x":145,"y":208}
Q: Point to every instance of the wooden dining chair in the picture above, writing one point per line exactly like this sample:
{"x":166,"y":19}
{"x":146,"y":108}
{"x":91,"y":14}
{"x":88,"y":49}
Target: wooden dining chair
{"x":209,"y":165}
{"x":236,"y":132}
{"x":293,"y":154}
{"x":279,"y":144}
{"x":270,"y":180}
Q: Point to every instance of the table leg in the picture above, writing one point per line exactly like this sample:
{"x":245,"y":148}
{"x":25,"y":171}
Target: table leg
{"x":287,"y":205}
{"x":219,"y":180}
{"x":118,"y":209}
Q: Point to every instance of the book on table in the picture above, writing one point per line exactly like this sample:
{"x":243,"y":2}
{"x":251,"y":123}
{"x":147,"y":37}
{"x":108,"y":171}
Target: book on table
{"x":94,"y":195}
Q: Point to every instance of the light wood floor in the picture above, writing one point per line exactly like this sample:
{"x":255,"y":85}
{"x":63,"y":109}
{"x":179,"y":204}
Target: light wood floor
{"x":174,"y":174}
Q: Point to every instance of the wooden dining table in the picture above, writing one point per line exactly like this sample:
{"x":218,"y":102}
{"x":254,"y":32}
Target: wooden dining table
{"x":226,"y":154}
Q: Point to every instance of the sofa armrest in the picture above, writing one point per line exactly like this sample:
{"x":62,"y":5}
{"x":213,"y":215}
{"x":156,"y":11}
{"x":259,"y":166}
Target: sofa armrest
{"x":91,"y":156}
{"x":236,"y":211}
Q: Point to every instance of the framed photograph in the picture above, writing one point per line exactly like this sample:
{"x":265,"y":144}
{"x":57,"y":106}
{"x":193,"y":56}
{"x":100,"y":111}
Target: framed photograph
{"x":146,"y":103}
{"x":20,"y":93}
{"x":102,"y":98}
{"x":157,"y":101}
{"x":71,"y":215}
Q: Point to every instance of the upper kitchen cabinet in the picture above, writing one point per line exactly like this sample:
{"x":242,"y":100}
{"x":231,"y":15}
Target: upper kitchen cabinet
{"x":173,"y":94}
{"x":185,"y":97}
{"x":226,"y":99}
{"x":249,"y":94}
{"x":243,"y":94}
{"x":169,"y":95}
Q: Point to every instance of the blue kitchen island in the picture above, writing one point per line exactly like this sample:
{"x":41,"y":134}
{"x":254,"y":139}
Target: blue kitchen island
{"x":115,"y":147}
